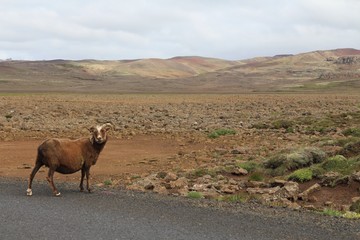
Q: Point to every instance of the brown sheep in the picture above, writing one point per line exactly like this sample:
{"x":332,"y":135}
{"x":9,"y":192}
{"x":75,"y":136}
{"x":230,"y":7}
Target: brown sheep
{"x":69,"y":156}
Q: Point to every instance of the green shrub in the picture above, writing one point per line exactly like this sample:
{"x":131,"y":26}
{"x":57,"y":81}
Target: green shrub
{"x":221,"y":132}
{"x":249,"y":166}
{"x":301,"y":175}
{"x":296,"y":159}
{"x":317,"y":154}
{"x":275,"y":161}
{"x":285,"y":124}
{"x":260,"y":126}
{"x":257,"y":176}
{"x":337,"y":163}
{"x":322,"y":126}
{"x":332,"y":212}
{"x":355,"y":207}
{"x":108,"y":182}
{"x":317,"y":171}
{"x":194,"y":194}
{"x":237,"y":198}
{"x":355,"y":132}
{"x":351,"y":149}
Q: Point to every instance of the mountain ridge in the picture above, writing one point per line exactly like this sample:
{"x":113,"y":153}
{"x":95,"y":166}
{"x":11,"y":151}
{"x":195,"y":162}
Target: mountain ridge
{"x":315,"y":70}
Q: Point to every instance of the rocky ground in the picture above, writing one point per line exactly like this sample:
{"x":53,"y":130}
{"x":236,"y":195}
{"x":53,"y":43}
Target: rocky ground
{"x":225,"y":147}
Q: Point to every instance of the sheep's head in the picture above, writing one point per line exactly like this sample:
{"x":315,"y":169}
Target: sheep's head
{"x":99,"y":132}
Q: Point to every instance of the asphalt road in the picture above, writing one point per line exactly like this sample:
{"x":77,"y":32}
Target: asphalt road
{"x":119,"y":214}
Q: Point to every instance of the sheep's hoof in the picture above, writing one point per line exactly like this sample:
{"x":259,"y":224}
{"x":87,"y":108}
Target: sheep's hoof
{"x":29,"y":192}
{"x":57,"y":194}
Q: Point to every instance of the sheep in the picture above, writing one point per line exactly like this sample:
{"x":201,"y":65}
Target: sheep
{"x":69,"y":156}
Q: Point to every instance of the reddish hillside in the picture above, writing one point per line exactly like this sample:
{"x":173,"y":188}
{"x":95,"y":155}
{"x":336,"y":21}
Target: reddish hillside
{"x":318,"y":70}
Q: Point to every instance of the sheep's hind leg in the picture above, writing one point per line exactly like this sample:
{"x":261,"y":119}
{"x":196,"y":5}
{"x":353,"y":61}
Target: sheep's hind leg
{"x":87,"y":171}
{"x":82,"y":180}
{"x":31,"y":178}
{"x":50,"y":179}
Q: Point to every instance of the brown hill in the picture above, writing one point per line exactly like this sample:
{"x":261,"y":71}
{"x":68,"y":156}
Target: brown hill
{"x":319,"y":70}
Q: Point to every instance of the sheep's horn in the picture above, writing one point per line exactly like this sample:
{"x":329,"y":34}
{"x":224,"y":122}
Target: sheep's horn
{"x":107,"y":125}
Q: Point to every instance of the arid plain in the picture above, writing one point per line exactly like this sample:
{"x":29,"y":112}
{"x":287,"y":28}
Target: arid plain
{"x":282,"y":131}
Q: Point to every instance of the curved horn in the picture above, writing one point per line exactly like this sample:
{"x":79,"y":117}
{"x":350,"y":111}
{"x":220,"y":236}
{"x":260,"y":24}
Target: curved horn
{"x":107,"y":126}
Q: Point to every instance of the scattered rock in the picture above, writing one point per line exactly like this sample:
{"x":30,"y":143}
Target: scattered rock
{"x":355,"y":207}
{"x":356,"y":176}
{"x":221,"y":151}
{"x":181,"y":182}
{"x":305,"y":194}
{"x":263,"y":190}
{"x":328,"y":178}
{"x":170,"y":176}
{"x":239,"y":172}
{"x":238,"y":150}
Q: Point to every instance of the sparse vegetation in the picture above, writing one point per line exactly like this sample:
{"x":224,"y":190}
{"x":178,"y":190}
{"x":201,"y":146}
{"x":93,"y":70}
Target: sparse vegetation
{"x":355,"y":132}
{"x":332,"y":212}
{"x":283,"y":124}
{"x":221,"y":132}
{"x":195,"y":195}
{"x":272,"y":138}
{"x":337,"y":163}
{"x":237,"y":198}
{"x":355,"y":207}
{"x":250,"y":166}
{"x":293,"y":160}
{"x":108,"y":182}
{"x":301,"y":175}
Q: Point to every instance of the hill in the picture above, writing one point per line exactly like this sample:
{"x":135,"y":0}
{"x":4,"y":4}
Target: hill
{"x":319,"y":70}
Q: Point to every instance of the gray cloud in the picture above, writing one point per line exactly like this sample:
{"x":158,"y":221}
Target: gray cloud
{"x":39,"y":29}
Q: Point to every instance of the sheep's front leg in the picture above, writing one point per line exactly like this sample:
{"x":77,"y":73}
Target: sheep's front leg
{"x":82,"y":180}
{"x":88,"y":179}
{"x":50,"y":179}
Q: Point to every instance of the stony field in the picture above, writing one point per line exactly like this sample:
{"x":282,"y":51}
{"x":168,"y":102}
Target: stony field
{"x":294,"y":150}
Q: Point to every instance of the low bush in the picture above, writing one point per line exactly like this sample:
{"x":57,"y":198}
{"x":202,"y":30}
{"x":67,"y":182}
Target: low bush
{"x":355,"y":132}
{"x":337,"y":163}
{"x":351,"y":149}
{"x":260,"y":126}
{"x":355,"y":207}
{"x":195,"y":195}
{"x":221,"y":132}
{"x":301,"y":175}
{"x":295,"y":160}
{"x":257,"y":176}
{"x":237,"y":198}
{"x":248,"y":166}
{"x":285,"y":124}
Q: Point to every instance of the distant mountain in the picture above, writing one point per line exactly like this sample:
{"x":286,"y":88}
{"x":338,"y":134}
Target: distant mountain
{"x":331,"y":70}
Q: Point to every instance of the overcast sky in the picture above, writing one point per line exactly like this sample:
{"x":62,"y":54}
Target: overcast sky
{"x":228,"y":29}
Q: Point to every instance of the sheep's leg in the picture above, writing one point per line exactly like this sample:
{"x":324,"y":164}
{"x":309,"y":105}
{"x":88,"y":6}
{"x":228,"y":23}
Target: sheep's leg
{"x":50,"y":179}
{"x":31,"y":178}
{"x":88,"y":179}
{"x":82,"y":180}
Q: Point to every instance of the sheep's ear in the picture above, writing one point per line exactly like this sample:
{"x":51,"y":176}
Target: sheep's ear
{"x":92,"y":129}
{"x":107,"y":126}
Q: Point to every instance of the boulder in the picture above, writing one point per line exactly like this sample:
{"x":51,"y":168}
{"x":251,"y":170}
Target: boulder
{"x":305,"y":194}
{"x":181,"y":182}
{"x":263,"y":190}
{"x":239,"y":172}
{"x":356,"y":176}
{"x":170,"y":176}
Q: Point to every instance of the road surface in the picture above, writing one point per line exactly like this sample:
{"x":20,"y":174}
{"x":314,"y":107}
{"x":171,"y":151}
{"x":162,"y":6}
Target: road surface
{"x":119,"y":214}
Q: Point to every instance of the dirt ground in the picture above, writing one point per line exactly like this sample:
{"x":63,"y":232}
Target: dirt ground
{"x":121,"y":159}
{"x":170,"y":133}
